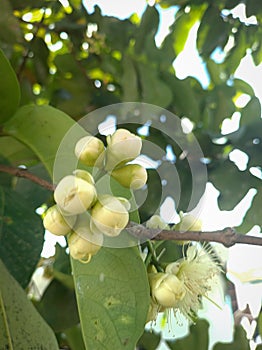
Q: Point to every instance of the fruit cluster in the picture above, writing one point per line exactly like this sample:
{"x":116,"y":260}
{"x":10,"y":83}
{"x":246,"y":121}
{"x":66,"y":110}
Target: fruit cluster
{"x":83,"y":214}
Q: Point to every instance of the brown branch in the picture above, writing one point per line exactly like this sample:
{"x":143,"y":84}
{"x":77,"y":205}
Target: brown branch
{"x":228,"y":236}
{"x":19,"y":172}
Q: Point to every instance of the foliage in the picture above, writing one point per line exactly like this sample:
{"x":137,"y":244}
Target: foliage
{"x":58,"y":63}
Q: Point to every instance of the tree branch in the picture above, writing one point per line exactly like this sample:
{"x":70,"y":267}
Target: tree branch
{"x":228,"y":236}
{"x":19,"y":172}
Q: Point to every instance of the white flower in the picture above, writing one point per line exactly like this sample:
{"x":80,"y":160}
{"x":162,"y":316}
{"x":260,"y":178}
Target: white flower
{"x":197,"y":271}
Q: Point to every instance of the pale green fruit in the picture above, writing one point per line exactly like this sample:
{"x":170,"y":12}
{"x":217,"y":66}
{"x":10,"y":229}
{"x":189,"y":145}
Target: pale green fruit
{"x":133,"y":176}
{"x":90,"y":151}
{"x":166,"y":289}
{"x":83,"y":243}
{"x":56,"y":223}
{"x":110,"y":215}
{"x":74,"y":195}
{"x":122,"y":147}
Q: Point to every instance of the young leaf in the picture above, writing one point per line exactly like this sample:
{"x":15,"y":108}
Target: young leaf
{"x":9,"y":89}
{"x":21,"y":325}
{"x":113,"y":298}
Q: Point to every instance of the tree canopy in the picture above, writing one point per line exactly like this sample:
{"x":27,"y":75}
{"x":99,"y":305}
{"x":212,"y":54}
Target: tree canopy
{"x":63,"y":72}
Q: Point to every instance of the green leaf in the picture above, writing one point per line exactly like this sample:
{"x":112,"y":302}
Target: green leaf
{"x":147,"y":28}
{"x":197,"y":338}
{"x":183,"y":25}
{"x":154,"y":89}
{"x":21,"y":235}
{"x":237,"y":52}
{"x":254,"y":214}
{"x":58,"y":306}
{"x":21,"y":325}
{"x":42,"y":128}
{"x":251,"y":112}
{"x":74,"y":338}
{"x":9,"y":89}
{"x":129,"y":80}
{"x":243,"y":86}
{"x":10,"y":31}
{"x":232,"y":184}
{"x":240,"y":341}
{"x":149,"y":340}
{"x":113,"y":298}
{"x":212,"y":32}
{"x":16,"y":152}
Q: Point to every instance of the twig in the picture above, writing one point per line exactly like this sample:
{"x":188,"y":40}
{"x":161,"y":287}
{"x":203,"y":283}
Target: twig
{"x":228,"y":236}
{"x":19,"y":172}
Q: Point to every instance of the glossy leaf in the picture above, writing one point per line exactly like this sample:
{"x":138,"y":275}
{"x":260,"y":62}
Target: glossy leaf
{"x":21,"y":325}
{"x":149,"y":340}
{"x":42,"y":129}
{"x":113,"y":298}
{"x":197,"y":338}
{"x":21,"y":235}
{"x":9,"y":89}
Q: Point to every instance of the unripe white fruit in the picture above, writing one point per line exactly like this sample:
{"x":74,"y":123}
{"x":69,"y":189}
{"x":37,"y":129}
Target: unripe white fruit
{"x":56,"y":223}
{"x":90,"y":151}
{"x":81,"y":246}
{"x":74,"y":195}
{"x":110,"y":215}
{"x":123,"y":146}
{"x":132,"y":176}
{"x":166,"y":289}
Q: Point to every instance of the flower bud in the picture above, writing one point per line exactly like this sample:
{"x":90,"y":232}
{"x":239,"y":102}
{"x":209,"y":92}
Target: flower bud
{"x":132,"y":176}
{"x":85,"y":175}
{"x":123,"y":146}
{"x":83,"y":243}
{"x":157,"y":222}
{"x":110,"y":215}
{"x":74,"y":195}
{"x":56,"y":223}
{"x":90,"y":151}
{"x":189,"y":223}
{"x":166,"y":289}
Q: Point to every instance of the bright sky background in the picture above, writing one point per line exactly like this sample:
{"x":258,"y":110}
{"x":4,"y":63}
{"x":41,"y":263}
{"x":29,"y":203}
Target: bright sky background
{"x":188,"y":63}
